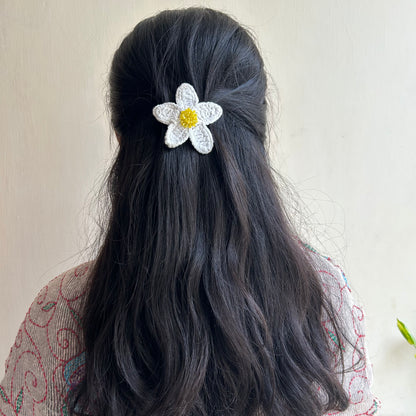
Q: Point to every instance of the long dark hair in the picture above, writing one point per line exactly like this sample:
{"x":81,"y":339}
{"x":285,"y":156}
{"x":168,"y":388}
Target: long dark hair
{"x":201,"y":300}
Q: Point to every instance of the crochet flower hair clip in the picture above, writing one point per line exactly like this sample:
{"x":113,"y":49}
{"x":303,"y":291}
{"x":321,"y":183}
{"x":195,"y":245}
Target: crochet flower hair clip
{"x":188,"y":118}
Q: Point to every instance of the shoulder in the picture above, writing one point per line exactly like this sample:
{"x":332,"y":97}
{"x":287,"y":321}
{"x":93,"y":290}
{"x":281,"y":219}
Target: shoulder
{"x":338,"y":292}
{"x":58,"y":304}
{"x":48,"y":350}
{"x":324,"y":265}
{"x":333,"y":279}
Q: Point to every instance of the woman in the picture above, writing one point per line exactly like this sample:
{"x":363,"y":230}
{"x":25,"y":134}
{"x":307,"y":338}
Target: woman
{"x":202,"y":299}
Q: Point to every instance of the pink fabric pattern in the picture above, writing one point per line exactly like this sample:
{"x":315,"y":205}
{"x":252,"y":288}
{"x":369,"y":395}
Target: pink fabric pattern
{"x":48,"y":353}
{"x":358,"y":378}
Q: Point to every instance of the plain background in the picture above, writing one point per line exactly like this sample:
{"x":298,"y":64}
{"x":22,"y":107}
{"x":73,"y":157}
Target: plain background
{"x":344,"y":77}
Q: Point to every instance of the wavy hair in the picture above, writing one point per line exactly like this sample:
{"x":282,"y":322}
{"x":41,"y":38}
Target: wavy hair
{"x":201,"y":300}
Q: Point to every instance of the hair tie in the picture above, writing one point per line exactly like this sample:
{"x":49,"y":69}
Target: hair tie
{"x":188,"y":118}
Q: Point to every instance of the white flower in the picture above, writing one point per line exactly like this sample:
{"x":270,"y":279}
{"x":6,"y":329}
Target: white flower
{"x":188,"y":118}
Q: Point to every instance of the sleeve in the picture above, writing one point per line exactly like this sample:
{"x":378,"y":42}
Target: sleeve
{"x":47,"y":353}
{"x":357,"y":376}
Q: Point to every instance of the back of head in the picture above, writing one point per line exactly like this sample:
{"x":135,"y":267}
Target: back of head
{"x":201,"y":299}
{"x":203,"y":47}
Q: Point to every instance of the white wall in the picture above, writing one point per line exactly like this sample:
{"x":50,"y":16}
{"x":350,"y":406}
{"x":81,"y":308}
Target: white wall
{"x":346,"y":76}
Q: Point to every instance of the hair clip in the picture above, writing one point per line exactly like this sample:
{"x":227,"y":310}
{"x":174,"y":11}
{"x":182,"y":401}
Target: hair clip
{"x":188,"y":118}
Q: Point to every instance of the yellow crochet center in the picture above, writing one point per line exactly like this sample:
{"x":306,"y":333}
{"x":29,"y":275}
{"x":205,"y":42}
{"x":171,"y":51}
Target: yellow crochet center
{"x":188,"y":118}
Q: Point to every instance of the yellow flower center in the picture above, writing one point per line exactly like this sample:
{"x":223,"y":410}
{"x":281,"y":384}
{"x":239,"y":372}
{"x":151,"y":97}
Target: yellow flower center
{"x":188,"y":118}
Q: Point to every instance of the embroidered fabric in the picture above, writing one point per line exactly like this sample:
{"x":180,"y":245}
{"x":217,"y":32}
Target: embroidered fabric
{"x":358,"y":378}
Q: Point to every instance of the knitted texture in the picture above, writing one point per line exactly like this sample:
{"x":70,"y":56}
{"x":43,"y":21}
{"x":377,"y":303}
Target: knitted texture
{"x":48,"y":353}
{"x":188,"y":118}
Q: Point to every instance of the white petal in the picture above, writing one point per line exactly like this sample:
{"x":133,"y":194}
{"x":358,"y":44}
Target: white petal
{"x":166,"y":113}
{"x":176,"y":135}
{"x":201,"y":138}
{"x":208,"y":112}
{"x":186,"y":96}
